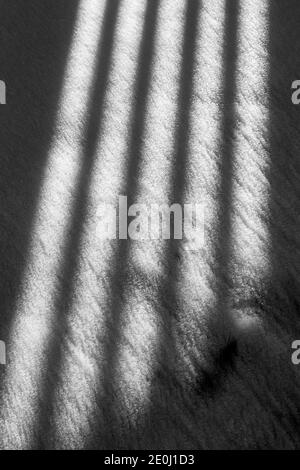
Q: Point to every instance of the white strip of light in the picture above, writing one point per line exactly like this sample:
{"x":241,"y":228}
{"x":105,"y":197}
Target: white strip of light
{"x":33,"y":315}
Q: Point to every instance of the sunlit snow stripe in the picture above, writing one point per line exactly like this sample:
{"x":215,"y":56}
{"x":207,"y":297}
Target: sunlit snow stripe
{"x":194,"y":287}
{"x":250,"y":191}
{"x":32,"y":324}
{"x":136,"y":351}
{"x":81,"y":381}
{"x":251,"y":159}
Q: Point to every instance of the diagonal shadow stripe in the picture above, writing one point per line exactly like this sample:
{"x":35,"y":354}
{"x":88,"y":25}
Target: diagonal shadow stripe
{"x":164,"y":386}
{"x":27,"y":122}
{"x":111,"y":424}
{"x":218,"y":326}
{"x":284,"y":152}
{"x":70,"y":259}
{"x":281,"y":299}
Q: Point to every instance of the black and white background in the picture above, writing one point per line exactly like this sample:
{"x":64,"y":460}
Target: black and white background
{"x":125,"y":344}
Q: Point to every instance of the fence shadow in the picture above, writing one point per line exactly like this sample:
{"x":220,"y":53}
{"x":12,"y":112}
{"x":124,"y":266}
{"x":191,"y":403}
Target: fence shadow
{"x":33,"y":47}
